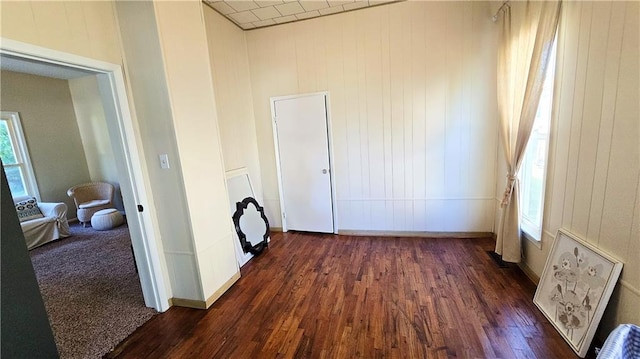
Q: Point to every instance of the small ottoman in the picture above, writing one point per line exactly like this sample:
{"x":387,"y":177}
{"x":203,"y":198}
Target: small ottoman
{"x":106,"y":219}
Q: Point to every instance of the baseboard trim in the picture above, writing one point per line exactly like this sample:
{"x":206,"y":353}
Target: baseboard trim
{"x":630,"y":287}
{"x":529,"y":273}
{"x":416,"y":234}
{"x":218,"y":293}
{"x":188,"y":303}
{"x":275,"y":229}
{"x":201,"y":304}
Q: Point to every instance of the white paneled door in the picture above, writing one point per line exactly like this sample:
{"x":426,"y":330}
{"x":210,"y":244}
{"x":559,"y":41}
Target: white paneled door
{"x":303,"y":159}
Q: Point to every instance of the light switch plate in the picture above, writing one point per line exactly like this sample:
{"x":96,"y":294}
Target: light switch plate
{"x":164,"y":161}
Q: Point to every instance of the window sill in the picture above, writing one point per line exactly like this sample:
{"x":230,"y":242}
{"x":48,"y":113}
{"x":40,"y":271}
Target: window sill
{"x":536,"y":241}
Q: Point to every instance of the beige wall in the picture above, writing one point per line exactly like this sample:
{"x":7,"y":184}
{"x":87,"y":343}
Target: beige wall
{"x":85,"y":28}
{"x":185,"y":54}
{"x":594,"y":162}
{"x":144,"y":64}
{"x":412,"y":106}
{"x":94,"y":133}
{"x":51,"y":132}
{"x":230,"y":70}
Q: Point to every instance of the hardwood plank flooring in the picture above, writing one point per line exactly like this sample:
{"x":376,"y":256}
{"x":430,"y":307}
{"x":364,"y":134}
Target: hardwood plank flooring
{"x":327,"y":296}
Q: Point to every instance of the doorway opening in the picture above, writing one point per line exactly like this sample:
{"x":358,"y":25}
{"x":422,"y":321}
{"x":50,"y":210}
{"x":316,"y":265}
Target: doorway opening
{"x":122,"y":134}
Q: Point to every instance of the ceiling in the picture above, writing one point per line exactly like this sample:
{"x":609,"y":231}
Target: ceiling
{"x":262,"y":13}
{"x":246,"y":14}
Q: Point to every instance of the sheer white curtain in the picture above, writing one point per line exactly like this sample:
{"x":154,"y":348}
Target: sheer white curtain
{"x":524,"y":53}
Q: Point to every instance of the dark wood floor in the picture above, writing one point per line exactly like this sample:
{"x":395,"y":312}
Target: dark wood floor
{"x":326,"y":296}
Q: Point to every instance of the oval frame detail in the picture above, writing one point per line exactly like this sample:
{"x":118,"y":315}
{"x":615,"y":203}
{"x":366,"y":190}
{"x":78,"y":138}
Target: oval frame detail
{"x":246,"y":246}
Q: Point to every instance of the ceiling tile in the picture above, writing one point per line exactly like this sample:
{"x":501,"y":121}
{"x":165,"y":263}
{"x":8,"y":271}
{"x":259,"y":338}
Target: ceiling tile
{"x":283,"y":19}
{"x":249,"y":14}
{"x":355,"y":5}
{"x":264,"y":23}
{"x":242,"y":5}
{"x":331,"y":10}
{"x":222,"y":7}
{"x":308,"y":15}
{"x":310,"y":5}
{"x":242,"y":17}
{"x":338,"y":3}
{"x":290,"y":8}
{"x":265,"y":3}
{"x":266,"y":13}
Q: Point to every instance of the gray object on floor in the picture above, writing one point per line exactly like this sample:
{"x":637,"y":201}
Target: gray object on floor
{"x":106,"y":219}
{"x":622,"y":343}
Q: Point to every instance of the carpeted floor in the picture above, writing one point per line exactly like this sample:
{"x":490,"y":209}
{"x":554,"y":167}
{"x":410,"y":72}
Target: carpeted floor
{"x":91,"y":290}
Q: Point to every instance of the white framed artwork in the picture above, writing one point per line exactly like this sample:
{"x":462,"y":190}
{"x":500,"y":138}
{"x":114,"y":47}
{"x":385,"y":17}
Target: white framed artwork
{"x":575,"y":287}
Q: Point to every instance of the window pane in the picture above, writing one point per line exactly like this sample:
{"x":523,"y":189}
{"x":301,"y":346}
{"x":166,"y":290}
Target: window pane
{"x":533,"y":171}
{"x":16,"y":181}
{"x":533,"y":168}
{"x":6,"y":147}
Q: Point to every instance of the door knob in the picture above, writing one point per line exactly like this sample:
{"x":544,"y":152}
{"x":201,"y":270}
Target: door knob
{"x":324,"y":171}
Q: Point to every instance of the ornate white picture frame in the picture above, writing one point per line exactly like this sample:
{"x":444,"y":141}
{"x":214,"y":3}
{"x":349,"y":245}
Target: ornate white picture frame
{"x":575,"y":287}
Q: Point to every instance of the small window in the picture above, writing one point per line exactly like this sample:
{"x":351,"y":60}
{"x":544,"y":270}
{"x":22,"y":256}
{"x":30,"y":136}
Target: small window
{"x":15,"y":157}
{"x":534,"y":164}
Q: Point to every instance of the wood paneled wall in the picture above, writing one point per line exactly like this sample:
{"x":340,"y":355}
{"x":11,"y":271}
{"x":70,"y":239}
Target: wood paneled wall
{"x":234,"y":103}
{"x":412,"y":105}
{"x":185,"y":54}
{"x":85,"y":28}
{"x":594,"y":161}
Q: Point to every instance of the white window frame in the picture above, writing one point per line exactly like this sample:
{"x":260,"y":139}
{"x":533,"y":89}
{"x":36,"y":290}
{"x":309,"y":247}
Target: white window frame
{"x":529,"y":229}
{"x":21,"y":152}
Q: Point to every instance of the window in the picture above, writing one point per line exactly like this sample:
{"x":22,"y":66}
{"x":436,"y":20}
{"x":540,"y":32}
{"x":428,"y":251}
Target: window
{"x":15,"y":157}
{"x":534,"y":164}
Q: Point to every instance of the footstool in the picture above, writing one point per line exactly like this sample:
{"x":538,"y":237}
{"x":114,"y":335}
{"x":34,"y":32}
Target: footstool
{"x":106,"y":219}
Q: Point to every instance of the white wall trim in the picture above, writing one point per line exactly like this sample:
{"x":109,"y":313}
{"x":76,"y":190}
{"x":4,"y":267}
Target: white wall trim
{"x":418,"y":234}
{"x":272,"y":104}
{"x":332,"y":167}
{"x":417,"y":199}
{"x":153,"y":275}
{"x":630,"y":287}
{"x":180,"y":253}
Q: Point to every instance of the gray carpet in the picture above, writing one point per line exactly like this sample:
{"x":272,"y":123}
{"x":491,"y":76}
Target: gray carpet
{"x":91,"y":290}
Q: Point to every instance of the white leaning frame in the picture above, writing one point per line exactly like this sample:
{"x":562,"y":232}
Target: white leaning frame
{"x":237,"y":195}
{"x":575,"y":287}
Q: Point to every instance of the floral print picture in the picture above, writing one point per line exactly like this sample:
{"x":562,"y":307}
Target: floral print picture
{"x":574,"y":289}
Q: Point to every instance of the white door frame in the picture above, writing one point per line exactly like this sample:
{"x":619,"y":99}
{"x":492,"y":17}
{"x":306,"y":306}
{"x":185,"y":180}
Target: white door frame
{"x":334,"y":203}
{"x":147,"y":249}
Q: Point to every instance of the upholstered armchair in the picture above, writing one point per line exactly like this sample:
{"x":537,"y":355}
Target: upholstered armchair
{"x":90,"y":198}
{"x":41,"y":222}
